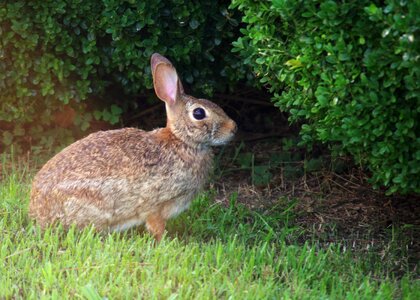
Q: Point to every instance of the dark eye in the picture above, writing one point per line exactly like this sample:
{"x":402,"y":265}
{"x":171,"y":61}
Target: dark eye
{"x":199,"y":113}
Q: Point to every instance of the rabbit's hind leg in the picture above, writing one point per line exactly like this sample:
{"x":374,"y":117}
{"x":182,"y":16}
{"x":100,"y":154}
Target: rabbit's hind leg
{"x":84,"y":212}
{"x":155,"y":224}
{"x":45,"y":209}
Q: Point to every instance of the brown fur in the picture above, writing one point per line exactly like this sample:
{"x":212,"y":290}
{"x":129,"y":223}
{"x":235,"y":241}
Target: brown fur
{"x":121,"y":178}
{"x":155,"y":223}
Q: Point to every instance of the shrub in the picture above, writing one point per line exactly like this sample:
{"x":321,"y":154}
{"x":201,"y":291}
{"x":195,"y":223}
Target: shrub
{"x":56,"y":54}
{"x":351,"y":70}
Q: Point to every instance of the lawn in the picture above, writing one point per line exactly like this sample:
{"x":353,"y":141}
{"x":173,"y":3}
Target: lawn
{"x":210,"y":252}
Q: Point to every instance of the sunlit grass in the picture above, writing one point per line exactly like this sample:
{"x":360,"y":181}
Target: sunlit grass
{"x":210,"y":252}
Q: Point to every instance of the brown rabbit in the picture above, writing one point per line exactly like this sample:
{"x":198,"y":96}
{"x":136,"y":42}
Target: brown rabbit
{"x":121,"y":178}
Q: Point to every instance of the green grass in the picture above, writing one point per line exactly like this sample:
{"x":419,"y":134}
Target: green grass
{"x":210,"y":252}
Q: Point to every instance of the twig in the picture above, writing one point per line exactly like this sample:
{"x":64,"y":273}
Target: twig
{"x":355,"y":185}
{"x":344,"y":188}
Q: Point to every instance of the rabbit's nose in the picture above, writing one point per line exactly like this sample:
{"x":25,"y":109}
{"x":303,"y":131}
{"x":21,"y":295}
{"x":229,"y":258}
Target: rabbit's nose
{"x":233,"y":127}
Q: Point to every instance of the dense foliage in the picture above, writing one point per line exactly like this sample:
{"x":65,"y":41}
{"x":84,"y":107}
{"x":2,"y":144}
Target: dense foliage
{"x":351,"y":69}
{"x":63,"y":52}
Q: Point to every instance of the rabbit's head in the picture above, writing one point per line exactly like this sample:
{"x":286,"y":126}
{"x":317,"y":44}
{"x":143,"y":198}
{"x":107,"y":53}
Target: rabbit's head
{"x":197,"y":122}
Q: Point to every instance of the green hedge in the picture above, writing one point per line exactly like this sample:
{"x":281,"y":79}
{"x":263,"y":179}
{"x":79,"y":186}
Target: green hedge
{"x":351,"y":69}
{"x":59,"y":52}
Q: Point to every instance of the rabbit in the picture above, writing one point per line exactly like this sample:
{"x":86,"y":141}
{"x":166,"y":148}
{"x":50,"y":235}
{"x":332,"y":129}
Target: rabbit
{"x":118,"y":179}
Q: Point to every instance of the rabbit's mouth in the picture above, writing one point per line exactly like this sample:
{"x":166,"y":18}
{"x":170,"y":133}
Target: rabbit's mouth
{"x":223,"y":135}
{"x":221,"y":142}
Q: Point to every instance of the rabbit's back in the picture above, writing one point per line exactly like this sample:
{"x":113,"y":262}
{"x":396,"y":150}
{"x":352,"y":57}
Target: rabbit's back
{"x":114,"y":179}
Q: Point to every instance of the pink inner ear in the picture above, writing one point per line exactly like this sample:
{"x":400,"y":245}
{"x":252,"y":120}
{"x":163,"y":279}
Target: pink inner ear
{"x":170,"y":84}
{"x":166,"y":83}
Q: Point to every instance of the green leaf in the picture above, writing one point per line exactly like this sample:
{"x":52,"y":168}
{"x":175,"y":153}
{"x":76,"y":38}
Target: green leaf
{"x":322,"y":96}
{"x":116,"y":110}
{"x":261,"y":175}
{"x":245,"y":160}
{"x":7,"y":138}
{"x":294,"y":63}
{"x":19,"y":131}
{"x":97,"y":114}
{"x":314,"y":164}
{"x":194,"y":24}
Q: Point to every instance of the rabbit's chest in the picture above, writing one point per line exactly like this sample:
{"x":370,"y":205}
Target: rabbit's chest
{"x":178,"y":180}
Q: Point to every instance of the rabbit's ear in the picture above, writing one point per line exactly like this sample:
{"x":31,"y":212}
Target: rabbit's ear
{"x":165,"y":79}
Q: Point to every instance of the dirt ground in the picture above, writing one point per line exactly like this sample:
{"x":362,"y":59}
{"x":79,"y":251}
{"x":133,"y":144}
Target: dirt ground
{"x":323,"y":197}
{"x":333,"y":208}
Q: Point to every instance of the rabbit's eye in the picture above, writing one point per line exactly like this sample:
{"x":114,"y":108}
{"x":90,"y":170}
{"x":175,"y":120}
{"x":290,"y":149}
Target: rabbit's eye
{"x":199,"y":113}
